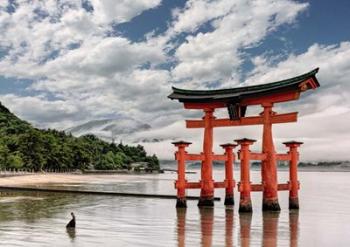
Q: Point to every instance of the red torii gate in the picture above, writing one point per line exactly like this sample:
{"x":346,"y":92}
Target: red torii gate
{"x":236,"y":100}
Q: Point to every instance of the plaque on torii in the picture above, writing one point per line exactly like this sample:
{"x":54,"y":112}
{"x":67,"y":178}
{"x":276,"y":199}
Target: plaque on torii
{"x":236,"y":100}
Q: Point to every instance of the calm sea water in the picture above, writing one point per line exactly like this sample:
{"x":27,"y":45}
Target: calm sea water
{"x":38,"y":219}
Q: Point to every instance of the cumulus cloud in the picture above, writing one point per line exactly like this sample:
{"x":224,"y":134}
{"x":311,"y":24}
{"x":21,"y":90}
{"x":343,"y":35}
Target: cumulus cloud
{"x":66,"y":50}
{"x":106,"y":11}
{"x":40,"y":111}
{"x":215,"y":55}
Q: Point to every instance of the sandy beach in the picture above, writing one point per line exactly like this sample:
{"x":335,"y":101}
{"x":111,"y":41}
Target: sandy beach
{"x":54,"y":178}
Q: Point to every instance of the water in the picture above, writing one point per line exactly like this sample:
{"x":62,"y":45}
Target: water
{"x":38,"y":219}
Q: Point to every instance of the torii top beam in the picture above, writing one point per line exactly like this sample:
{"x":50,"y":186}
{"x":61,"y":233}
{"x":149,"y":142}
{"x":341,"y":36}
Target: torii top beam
{"x":280,"y":91}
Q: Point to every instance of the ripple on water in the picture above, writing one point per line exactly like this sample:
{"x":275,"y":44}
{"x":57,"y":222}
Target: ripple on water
{"x":19,"y":198}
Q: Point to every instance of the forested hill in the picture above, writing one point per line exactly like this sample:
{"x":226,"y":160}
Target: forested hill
{"x":24,"y":147}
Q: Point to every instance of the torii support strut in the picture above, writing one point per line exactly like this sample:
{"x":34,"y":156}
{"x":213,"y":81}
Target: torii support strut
{"x":293,"y":173}
{"x":229,"y":181}
{"x":180,"y":184}
{"x":245,"y":203}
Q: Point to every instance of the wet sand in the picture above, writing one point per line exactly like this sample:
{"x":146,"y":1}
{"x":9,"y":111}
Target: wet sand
{"x":56,"y":178}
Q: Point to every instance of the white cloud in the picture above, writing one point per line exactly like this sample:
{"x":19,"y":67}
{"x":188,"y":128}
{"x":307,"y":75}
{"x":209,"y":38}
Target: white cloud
{"x":216,"y":54}
{"x":197,"y":13}
{"x":333,"y":61}
{"x":105,"y":58}
{"x":106,"y":11}
{"x":98,"y":73}
{"x":40,"y":111}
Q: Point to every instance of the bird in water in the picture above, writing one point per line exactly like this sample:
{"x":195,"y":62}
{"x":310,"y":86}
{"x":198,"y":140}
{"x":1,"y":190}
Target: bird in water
{"x":71,"y":223}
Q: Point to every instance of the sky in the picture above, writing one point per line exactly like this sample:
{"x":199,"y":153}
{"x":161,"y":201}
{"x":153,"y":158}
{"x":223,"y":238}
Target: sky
{"x":63,"y":63}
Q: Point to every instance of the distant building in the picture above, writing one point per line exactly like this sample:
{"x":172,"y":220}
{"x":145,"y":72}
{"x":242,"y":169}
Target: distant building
{"x":141,"y":166}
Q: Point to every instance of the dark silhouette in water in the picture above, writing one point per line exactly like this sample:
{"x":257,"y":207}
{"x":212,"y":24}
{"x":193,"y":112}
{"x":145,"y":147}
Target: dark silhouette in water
{"x":71,"y":223}
{"x":71,"y":233}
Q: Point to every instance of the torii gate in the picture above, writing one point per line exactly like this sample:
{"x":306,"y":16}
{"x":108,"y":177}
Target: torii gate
{"x":236,"y":100}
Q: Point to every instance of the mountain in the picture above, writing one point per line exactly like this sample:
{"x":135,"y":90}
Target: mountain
{"x":108,"y":129}
{"x":24,"y":147}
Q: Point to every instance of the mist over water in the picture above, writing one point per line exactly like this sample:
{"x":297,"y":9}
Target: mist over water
{"x":39,"y":219}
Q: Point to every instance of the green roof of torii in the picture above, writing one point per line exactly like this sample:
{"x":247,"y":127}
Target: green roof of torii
{"x":233,"y":94}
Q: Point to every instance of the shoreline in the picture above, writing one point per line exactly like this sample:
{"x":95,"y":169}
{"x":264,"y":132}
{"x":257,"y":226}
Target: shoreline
{"x":92,"y":192}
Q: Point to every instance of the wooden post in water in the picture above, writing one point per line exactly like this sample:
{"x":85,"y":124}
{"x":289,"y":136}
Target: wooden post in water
{"x":180,"y":184}
{"x":229,"y":182}
{"x":245,"y":204}
{"x":293,"y":173}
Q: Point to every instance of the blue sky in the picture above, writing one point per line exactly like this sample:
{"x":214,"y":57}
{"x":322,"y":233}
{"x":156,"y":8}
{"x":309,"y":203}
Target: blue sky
{"x":324,"y":22}
{"x":63,"y":63}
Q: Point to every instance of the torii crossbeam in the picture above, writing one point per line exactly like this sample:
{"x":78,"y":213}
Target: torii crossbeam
{"x":236,"y":100}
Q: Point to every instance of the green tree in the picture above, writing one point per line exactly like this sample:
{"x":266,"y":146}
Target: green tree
{"x":106,"y":162}
{"x":153,"y":162}
{"x":15,"y":161}
{"x":32,"y":149}
{"x":4,"y":155}
{"x":119,"y":160}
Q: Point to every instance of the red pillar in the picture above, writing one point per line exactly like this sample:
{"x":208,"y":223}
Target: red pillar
{"x":293,"y":174}
{"x":207,"y":182}
{"x":180,"y":184}
{"x":245,"y":204}
{"x":229,"y":182}
{"x":269,"y":165}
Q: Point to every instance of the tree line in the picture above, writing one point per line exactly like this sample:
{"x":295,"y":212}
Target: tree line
{"x":24,"y":147}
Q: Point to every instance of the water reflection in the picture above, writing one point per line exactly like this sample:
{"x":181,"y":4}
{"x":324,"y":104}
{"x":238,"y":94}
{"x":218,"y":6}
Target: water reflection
{"x":181,"y":221}
{"x":293,"y":228}
{"x":206,"y":226}
{"x":207,"y":220}
{"x":229,"y":226}
{"x":270,"y":227}
{"x":71,"y":233}
{"x":245,"y":222}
